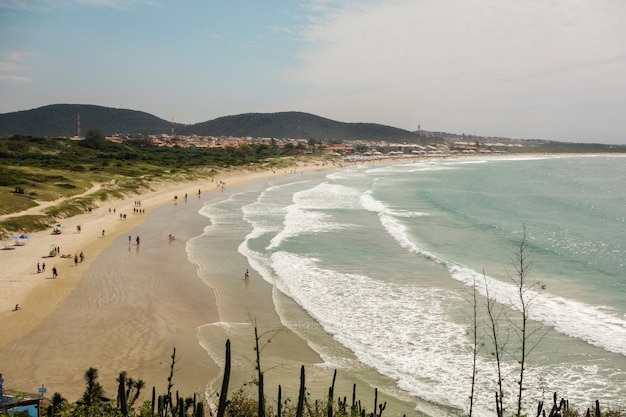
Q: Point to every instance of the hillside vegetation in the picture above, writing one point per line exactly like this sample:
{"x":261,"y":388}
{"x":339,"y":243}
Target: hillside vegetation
{"x":38,"y":169}
{"x":63,"y":120}
{"x":69,"y":120}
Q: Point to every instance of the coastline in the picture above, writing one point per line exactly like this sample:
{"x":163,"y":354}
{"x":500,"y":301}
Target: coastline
{"x":68,"y":324}
{"x":51,"y":342}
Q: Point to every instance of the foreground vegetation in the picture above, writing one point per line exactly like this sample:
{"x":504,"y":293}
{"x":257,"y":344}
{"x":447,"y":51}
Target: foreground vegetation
{"x":241,"y":403}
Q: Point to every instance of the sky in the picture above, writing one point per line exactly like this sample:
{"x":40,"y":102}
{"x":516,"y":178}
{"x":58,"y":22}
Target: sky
{"x":526,"y":69}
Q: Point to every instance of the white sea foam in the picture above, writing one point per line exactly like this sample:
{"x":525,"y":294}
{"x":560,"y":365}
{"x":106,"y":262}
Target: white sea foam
{"x":408,"y":168}
{"x":266,"y":212}
{"x":405,"y":332}
{"x":348,"y":173}
{"x":306,"y":214}
{"x":377,"y":319}
{"x":217,"y":214}
{"x":599,"y":326}
{"x":265,"y":215}
{"x":595,"y":325}
{"x":395,"y":228}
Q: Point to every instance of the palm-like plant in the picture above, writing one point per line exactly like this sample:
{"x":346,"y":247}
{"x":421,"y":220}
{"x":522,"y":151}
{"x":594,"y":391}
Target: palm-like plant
{"x":137,"y":386}
{"x":94,"y":391}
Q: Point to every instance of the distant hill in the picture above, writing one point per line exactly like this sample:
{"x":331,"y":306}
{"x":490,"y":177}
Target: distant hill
{"x":296,"y":125}
{"x":62,"y":120}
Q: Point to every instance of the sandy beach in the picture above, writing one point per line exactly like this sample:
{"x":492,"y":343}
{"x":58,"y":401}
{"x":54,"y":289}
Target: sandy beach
{"x":126,"y":306}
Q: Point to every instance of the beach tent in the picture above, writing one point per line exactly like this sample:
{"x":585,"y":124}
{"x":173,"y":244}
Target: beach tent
{"x":20,"y":240}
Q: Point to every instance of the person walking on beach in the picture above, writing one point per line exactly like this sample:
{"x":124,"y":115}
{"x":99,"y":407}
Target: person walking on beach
{"x":82,"y":256}
{"x":102,"y":232}
{"x":137,"y":240}
{"x":129,"y":240}
{"x":246,"y":275}
{"x":43,"y":267}
{"x":38,"y":268}
{"x":75,"y":260}
{"x":54,"y":272}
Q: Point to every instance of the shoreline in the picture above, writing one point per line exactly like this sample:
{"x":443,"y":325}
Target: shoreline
{"x":136,"y":348}
{"x":27,"y":356}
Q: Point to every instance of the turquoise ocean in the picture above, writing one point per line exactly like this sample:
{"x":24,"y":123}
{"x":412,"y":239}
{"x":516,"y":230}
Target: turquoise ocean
{"x":383,"y":257}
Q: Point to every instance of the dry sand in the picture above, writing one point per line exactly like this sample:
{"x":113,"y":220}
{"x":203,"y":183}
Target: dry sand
{"x":125,"y":308}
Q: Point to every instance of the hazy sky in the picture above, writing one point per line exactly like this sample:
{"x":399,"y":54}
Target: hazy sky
{"x":553,"y":69}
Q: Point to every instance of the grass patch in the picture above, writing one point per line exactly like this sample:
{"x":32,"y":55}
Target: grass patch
{"x":44,"y":184}
{"x":11,"y":202}
{"x":24,"y":224}
{"x":54,"y":169}
{"x":65,"y":185}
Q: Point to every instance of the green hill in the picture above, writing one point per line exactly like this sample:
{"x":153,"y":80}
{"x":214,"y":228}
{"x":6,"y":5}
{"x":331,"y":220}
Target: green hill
{"x":62,"y":120}
{"x":296,"y":125}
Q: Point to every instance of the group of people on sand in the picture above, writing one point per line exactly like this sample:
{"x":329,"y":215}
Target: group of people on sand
{"x":78,"y":258}
{"x":199,"y":193}
{"x":42,"y":267}
{"x":137,"y":209}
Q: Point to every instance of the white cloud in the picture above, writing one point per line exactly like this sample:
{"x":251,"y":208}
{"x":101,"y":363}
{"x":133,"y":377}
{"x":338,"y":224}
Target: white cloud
{"x":117,"y":4}
{"x":15,"y":78}
{"x":47,"y":5}
{"x":13,"y":68}
{"x":456,"y":59}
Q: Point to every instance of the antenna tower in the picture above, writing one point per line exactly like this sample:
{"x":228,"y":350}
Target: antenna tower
{"x":77,"y":124}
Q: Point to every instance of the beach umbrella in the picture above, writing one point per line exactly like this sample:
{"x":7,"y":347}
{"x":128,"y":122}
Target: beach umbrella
{"x":59,"y":225}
